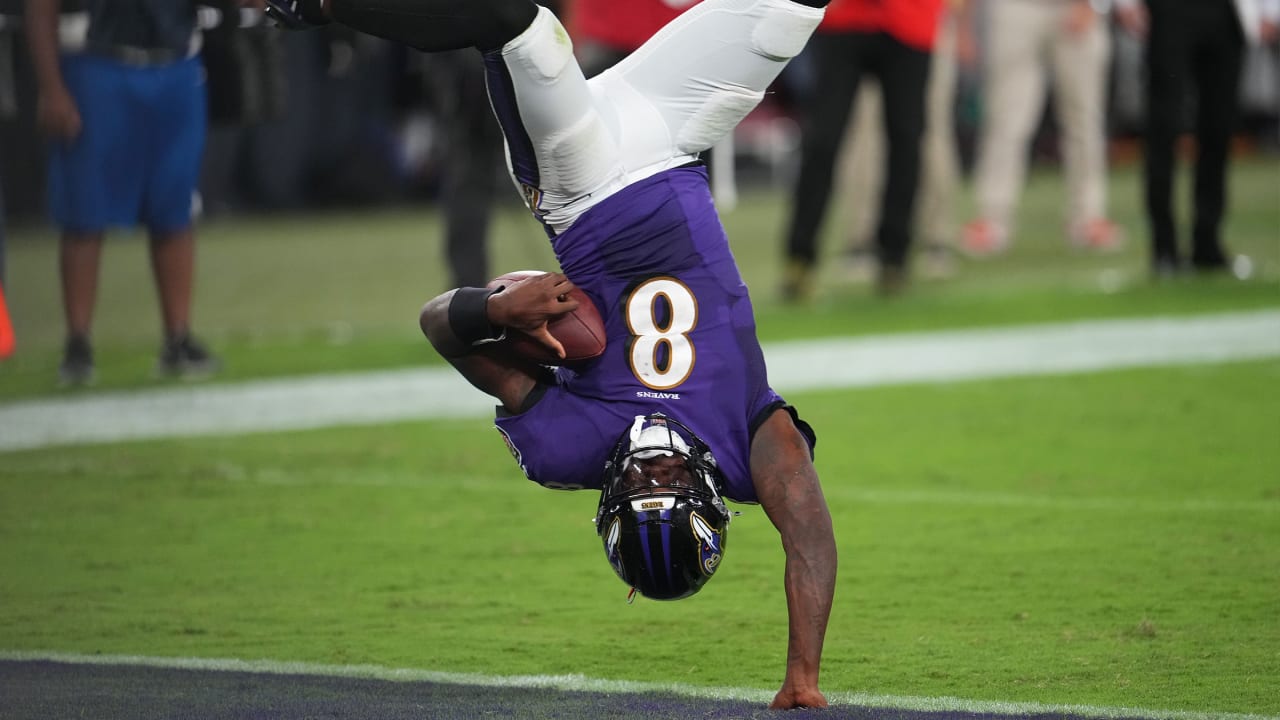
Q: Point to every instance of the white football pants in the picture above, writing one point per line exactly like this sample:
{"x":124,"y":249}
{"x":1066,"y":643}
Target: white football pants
{"x":572,"y":142}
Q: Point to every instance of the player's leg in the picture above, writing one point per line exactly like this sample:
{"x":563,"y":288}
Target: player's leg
{"x":169,"y":131}
{"x":679,"y":93}
{"x":860,"y":177}
{"x":940,"y":169}
{"x":1014,"y":89}
{"x":1167,"y":69}
{"x":559,"y":152}
{"x":1081,"y":62}
{"x":1217,"y":71}
{"x":839,"y":61}
{"x":472,"y":158}
{"x":904,"y":75}
{"x":93,"y":183}
{"x":79,"y":260}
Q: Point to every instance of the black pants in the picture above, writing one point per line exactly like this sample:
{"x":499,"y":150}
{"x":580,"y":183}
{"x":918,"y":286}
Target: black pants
{"x":473,"y":164}
{"x":438,"y":25}
{"x":1193,"y":46}
{"x":841,"y":60}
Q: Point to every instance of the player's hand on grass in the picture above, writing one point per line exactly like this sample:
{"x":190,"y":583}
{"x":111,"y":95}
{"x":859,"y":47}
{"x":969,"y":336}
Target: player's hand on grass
{"x":791,"y":698}
{"x":528,"y":305}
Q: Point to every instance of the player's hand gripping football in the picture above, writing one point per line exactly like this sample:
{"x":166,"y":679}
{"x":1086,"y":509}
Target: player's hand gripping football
{"x":528,"y":305}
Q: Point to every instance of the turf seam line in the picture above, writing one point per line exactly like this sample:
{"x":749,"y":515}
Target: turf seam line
{"x":582,"y":683}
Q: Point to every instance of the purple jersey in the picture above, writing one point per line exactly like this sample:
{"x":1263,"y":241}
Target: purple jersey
{"x":681,"y":338}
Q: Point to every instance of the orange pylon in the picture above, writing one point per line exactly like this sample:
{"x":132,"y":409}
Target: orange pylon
{"x":6,"y":329}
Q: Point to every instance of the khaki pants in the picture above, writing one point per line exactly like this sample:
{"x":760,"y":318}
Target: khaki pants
{"x":862,"y":162}
{"x":1023,"y":36}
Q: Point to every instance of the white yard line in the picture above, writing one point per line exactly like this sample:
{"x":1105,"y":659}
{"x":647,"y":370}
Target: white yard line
{"x":377,"y":397}
{"x":587,"y":684}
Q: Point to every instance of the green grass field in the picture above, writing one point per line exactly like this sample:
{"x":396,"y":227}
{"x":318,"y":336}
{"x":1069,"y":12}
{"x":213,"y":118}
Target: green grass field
{"x":1110,"y":539}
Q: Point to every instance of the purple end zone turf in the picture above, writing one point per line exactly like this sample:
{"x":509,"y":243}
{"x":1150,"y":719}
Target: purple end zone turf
{"x":41,"y":690}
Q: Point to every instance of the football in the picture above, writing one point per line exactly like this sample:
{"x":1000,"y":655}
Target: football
{"x":581,"y":331}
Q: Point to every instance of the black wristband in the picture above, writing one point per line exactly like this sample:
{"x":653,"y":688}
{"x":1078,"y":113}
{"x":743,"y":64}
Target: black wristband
{"x":469,"y":316}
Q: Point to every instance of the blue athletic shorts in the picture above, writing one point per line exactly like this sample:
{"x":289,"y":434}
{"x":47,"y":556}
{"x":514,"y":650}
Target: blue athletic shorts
{"x":137,"y":158}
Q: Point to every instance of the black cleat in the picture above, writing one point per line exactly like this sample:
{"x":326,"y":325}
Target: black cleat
{"x":77,"y":368}
{"x":1165,"y":268}
{"x":185,"y":357}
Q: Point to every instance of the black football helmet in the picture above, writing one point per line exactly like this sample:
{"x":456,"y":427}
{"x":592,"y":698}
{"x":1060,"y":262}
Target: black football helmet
{"x":661,"y":517}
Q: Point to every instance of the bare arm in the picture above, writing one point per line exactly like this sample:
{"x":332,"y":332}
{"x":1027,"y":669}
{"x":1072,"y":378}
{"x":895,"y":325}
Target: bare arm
{"x":525,"y":306}
{"x":56,"y":111}
{"x":787,"y":486}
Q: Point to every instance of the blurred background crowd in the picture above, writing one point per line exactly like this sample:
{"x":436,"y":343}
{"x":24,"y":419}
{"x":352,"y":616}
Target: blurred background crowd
{"x":891,"y":108}
{"x":335,"y":118}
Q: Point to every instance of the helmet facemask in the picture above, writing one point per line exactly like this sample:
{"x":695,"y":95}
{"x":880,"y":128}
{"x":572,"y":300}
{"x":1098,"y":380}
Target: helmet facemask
{"x":661,"y":516}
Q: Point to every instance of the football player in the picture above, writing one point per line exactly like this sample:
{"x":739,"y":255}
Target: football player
{"x":677,"y":410}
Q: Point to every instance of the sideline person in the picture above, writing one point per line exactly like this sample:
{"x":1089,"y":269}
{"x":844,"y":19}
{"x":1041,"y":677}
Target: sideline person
{"x":124,"y":105}
{"x":892,"y":42}
{"x":1193,"y":50}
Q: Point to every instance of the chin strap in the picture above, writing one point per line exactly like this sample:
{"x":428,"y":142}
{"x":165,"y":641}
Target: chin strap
{"x":631,"y":596}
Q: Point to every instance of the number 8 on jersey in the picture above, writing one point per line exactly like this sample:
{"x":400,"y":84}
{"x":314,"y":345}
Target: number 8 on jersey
{"x":661,"y":312}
